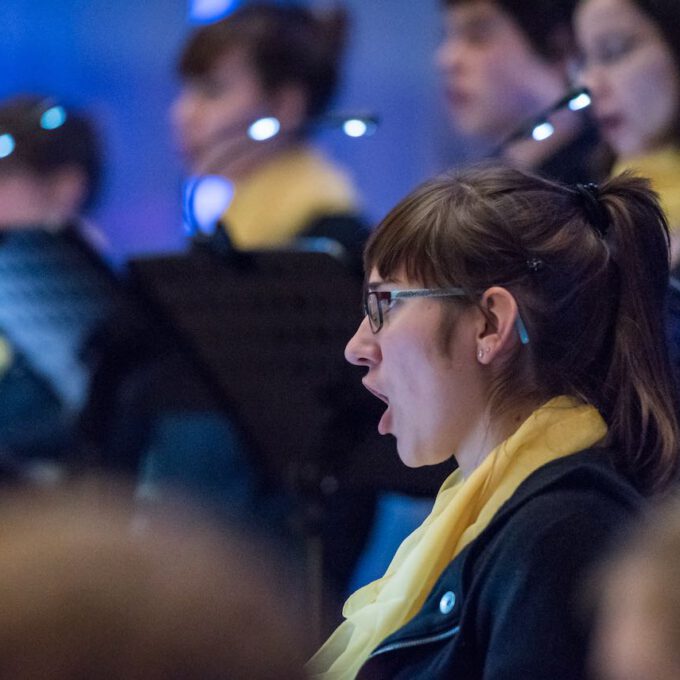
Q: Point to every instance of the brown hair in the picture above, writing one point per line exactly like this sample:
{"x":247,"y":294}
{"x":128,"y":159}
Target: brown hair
{"x":592,"y":304}
{"x":286,"y":45}
{"x":545,"y":23}
{"x":42,"y":151}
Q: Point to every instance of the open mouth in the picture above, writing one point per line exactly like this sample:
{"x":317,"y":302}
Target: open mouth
{"x":385,"y":424}
{"x":377,"y":394}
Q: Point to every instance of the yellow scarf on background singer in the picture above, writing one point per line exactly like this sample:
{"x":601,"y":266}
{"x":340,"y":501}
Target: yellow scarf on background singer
{"x":281,"y":198}
{"x":462,"y":510}
{"x":662,"y":167}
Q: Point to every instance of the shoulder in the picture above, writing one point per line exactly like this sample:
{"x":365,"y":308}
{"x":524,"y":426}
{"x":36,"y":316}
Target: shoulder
{"x":518,"y":586}
{"x":566,"y":513}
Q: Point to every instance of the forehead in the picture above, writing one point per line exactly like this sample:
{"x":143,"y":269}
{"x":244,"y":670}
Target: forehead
{"x":600,"y":17}
{"x":233,"y":63}
{"x":235,"y":60}
{"x":374,"y":280}
{"x":471,"y":14}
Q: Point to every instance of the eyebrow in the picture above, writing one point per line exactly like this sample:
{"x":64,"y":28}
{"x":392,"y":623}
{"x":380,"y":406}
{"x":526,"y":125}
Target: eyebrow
{"x":374,"y":285}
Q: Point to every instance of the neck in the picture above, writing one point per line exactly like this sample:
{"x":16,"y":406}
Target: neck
{"x":485,"y":437}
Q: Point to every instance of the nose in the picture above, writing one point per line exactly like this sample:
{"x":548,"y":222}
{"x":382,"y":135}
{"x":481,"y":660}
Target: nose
{"x":183,"y":111}
{"x":448,"y":57}
{"x":363,"y":348}
{"x":593,"y":78}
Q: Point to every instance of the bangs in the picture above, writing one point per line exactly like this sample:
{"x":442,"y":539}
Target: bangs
{"x":414,"y":239}
{"x":212,"y":43}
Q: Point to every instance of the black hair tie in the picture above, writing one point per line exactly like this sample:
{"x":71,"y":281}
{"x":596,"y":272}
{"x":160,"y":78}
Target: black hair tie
{"x":596,"y":213}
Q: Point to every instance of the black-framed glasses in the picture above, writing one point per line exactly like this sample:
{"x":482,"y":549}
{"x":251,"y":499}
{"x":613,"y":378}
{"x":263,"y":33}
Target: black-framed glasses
{"x":377,"y":302}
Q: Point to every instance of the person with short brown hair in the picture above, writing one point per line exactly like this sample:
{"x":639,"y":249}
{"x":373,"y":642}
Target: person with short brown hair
{"x":267,"y":60}
{"x":504,"y":62}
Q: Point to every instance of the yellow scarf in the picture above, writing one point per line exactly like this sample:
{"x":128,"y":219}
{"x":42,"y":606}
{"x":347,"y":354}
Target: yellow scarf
{"x":462,"y":509}
{"x":278,"y":200}
{"x":662,"y":167}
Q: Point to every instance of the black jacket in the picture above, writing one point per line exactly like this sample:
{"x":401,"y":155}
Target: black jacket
{"x":508,"y":606}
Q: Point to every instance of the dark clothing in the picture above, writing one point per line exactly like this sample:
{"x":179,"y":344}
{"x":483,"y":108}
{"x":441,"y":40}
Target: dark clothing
{"x":507,"y":607}
{"x":577,"y":161}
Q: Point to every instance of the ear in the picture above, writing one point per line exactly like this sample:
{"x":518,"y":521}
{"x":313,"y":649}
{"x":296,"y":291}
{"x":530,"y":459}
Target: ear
{"x":499,"y":335}
{"x":289,"y":105}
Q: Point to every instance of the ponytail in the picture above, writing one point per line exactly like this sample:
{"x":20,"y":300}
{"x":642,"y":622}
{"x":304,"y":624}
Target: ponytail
{"x":589,"y":269}
{"x":638,"y":394}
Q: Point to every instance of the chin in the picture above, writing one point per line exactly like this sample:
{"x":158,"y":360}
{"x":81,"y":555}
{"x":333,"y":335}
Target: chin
{"x":413,"y":459}
{"x":408,"y":458}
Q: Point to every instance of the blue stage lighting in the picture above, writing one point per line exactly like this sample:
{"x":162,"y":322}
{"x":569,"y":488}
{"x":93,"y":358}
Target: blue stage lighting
{"x":264,"y":128}
{"x":53,"y":118}
{"x":207,"y":11}
{"x":205,"y":200}
{"x":7,"y":145}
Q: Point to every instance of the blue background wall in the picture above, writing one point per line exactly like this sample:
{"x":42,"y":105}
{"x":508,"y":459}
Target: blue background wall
{"x":116,"y":60}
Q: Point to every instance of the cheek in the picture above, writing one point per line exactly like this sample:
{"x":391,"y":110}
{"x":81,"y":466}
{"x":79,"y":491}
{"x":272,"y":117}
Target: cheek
{"x":649,"y":91}
{"x":503,"y":88}
{"x":21,"y":201}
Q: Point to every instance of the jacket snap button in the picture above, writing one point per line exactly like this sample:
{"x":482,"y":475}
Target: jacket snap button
{"x":447,"y":603}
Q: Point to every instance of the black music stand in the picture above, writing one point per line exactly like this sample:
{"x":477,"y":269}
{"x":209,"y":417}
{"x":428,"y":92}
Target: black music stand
{"x":268,"y":329}
{"x":54,"y":292}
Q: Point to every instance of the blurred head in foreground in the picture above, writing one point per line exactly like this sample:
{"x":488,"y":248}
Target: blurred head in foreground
{"x":639,"y":603}
{"x":86,"y":593}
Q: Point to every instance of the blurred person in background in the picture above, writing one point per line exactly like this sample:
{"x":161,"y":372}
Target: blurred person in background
{"x":502,"y":63}
{"x":50,"y":165}
{"x":631,"y":65}
{"x":50,"y":178}
{"x":268,"y":60}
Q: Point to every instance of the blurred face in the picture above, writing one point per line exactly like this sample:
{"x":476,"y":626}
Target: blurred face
{"x":493,"y":78}
{"x":432,"y":400}
{"x":218,"y":107}
{"x":28,"y":198}
{"x":631,"y":73}
{"x":630,"y":642}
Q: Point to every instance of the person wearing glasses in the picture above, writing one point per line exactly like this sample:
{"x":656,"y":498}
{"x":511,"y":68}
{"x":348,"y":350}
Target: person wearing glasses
{"x":265,"y":61}
{"x":50,"y":179}
{"x":498,"y":330}
{"x":631,"y":65}
{"x":504,"y":62}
